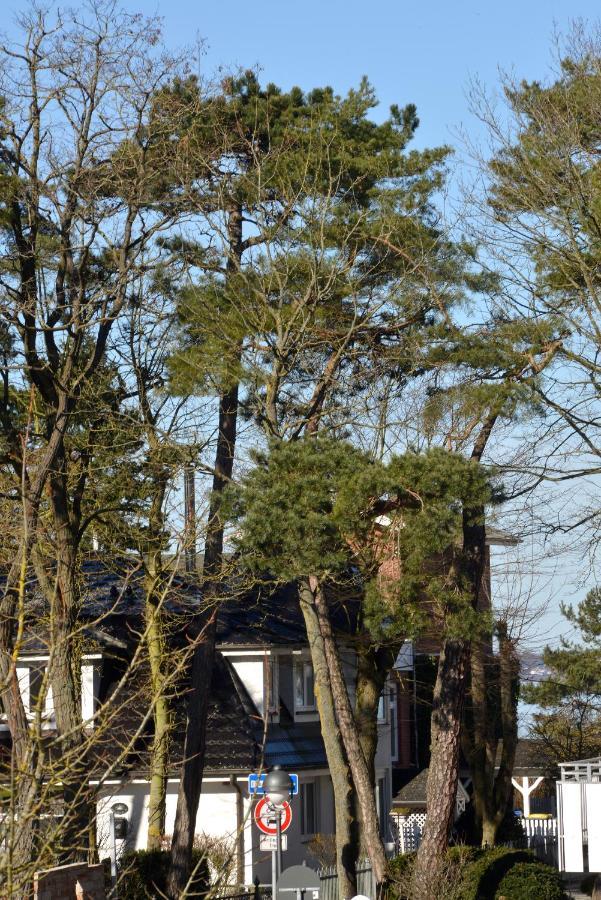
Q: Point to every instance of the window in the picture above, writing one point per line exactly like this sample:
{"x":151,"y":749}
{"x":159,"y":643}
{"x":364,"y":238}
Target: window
{"x":381,"y":804}
{"x":304,"y":694}
{"x":273,"y":687}
{"x":394,"y":725}
{"x":382,"y":708}
{"x":309,"y":810}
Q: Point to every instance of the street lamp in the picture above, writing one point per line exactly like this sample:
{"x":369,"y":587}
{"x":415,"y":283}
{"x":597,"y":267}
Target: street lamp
{"x":278,"y":787}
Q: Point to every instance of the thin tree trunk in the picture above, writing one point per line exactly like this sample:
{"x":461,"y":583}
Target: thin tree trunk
{"x":64,"y":671}
{"x":350,"y":738}
{"x":347,"y":846}
{"x":203,"y":658}
{"x":509,"y":669}
{"x":479,"y":738}
{"x":159,"y":762}
{"x":373,"y":667}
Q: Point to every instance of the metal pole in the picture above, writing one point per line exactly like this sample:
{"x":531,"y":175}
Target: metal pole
{"x":274,"y":873}
{"x":278,"y":825}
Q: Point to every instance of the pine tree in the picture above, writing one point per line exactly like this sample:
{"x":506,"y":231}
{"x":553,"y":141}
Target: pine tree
{"x":568,"y":723}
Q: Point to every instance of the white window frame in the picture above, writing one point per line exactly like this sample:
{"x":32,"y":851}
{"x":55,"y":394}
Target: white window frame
{"x":305,"y":833}
{"x":272,"y":686}
{"x":302,"y":662}
{"x":24,"y":669}
{"x":383,"y":703}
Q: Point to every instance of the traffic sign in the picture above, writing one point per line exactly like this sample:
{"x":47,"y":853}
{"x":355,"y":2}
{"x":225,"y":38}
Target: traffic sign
{"x":270,"y":842}
{"x":255,"y":784}
{"x":265,"y":817}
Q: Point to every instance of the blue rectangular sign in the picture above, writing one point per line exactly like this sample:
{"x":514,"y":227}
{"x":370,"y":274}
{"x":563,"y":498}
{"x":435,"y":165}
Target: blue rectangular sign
{"x":255,"y":784}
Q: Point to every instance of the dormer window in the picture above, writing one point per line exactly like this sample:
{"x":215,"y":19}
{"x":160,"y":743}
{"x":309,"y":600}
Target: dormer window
{"x":304,"y":691}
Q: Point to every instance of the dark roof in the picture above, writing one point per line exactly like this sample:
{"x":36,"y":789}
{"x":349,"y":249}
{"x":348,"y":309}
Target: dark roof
{"x":414,"y":792}
{"x":298,"y":747}
{"x":271,"y":615}
{"x":261,"y":615}
{"x":231,"y":729}
{"x":231,"y":744}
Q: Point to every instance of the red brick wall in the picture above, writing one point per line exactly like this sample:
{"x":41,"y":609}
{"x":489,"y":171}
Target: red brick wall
{"x":76,"y":882}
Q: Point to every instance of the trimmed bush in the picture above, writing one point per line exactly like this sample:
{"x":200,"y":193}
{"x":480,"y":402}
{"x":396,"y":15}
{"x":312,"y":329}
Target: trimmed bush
{"x":483,"y":876}
{"x":143,"y":874}
{"x":526,"y":881}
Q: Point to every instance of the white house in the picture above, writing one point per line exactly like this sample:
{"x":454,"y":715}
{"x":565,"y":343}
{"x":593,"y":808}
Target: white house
{"x":262,"y":711}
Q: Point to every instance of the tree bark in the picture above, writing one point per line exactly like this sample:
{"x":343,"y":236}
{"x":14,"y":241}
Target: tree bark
{"x":441,"y":791}
{"x":350,"y":738}
{"x":447,"y":714}
{"x":347,"y":846}
{"x":373,"y":667}
{"x":159,"y":760}
{"x":64,"y":673}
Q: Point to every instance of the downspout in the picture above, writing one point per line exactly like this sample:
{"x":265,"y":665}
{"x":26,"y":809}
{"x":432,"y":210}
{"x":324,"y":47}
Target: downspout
{"x":239,"y":830}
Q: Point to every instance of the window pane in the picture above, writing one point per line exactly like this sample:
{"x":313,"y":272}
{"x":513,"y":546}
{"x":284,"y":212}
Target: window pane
{"x":299,"y":686}
{"x":311,"y":808}
{"x":273,"y":682}
{"x":308,"y":808}
{"x":309,"y":692}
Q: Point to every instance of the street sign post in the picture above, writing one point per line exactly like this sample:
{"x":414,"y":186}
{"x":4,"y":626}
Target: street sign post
{"x":255,"y":784}
{"x":273,"y":813}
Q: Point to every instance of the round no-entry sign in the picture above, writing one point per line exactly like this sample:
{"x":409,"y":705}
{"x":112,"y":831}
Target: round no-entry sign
{"x":265,"y":817}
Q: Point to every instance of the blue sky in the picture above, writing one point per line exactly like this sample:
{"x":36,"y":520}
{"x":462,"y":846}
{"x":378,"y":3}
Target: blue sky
{"x":422,"y":53}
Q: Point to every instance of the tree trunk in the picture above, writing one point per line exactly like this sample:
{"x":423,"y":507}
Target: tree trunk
{"x":347,"y":847}
{"x":64,"y":673}
{"x":26,"y":760}
{"x":509,"y":671}
{"x":350,"y":738}
{"x":479,"y":738}
{"x":204,"y":654}
{"x":373,"y":667}
{"x":159,"y":760}
{"x":447,"y":713}
{"x":441,"y":792}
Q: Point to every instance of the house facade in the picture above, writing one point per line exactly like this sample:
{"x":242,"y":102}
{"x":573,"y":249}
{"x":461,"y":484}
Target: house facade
{"x":262,"y":712}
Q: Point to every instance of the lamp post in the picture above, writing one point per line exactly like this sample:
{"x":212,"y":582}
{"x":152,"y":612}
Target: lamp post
{"x":278,"y":788}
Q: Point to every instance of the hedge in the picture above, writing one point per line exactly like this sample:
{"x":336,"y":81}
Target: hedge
{"x":525,"y":881}
{"x":483,"y":876}
{"x":143,"y":874}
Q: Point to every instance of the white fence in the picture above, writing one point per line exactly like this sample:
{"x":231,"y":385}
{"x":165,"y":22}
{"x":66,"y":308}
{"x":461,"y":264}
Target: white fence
{"x":540,"y":835}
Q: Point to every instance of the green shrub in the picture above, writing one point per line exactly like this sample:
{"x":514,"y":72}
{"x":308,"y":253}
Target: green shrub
{"x":143,"y":874}
{"x":450,"y":877}
{"x":483,"y":875}
{"x":525,"y":881}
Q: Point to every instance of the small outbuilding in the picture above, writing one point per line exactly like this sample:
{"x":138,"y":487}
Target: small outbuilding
{"x":579,"y":815}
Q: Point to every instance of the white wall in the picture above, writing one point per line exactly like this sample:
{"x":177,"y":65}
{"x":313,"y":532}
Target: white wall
{"x":216,"y":812}
{"x":217,"y":817}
